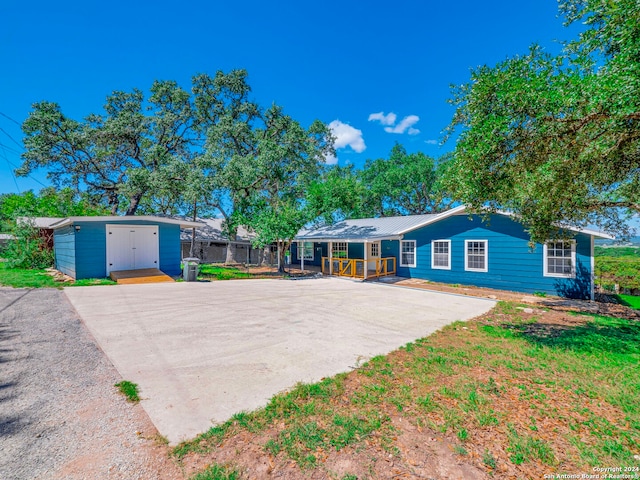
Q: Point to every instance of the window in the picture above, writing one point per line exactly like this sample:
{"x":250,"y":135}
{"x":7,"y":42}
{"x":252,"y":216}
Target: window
{"x":308,"y":250}
{"x":559,"y":259}
{"x":441,"y":254}
{"x":408,"y":253}
{"x":339,"y":250}
{"x":375,"y":250}
{"x":475,"y":259}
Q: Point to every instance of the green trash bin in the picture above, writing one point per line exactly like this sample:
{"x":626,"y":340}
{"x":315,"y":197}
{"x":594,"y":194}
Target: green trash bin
{"x":190,"y":268}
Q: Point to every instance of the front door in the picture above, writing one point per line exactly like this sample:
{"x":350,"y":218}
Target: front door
{"x":132,"y":247}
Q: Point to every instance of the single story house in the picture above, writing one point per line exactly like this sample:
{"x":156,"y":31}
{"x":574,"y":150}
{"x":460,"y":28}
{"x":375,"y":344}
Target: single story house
{"x":453,"y":247}
{"x":212,"y":244}
{"x":93,"y":247}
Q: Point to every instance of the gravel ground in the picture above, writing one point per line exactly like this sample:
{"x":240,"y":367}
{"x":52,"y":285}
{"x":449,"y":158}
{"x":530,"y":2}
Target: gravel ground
{"x":60,"y":415}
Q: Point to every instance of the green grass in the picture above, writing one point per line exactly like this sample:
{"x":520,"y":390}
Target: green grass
{"x":129,"y":390}
{"x":31,"y":278}
{"x":217,"y":472}
{"x":219,"y":272}
{"x":22,"y":278}
{"x":552,"y":394}
{"x":89,"y":282}
{"x":630,"y":301}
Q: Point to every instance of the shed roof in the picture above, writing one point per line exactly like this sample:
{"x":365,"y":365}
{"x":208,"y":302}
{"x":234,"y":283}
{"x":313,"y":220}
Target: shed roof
{"x":118,"y":219}
{"x":393,"y":228}
{"x":212,"y":231}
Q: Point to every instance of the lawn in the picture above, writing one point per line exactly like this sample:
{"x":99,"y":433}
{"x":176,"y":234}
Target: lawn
{"x":630,"y":301}
{"x":221,"y":272}
{"x":28,"y":278}
{"x":509,"y":394}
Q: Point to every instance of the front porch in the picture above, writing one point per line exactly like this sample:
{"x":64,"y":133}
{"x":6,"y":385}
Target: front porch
{"x":358,"y":259}
{"x":355,"y":267}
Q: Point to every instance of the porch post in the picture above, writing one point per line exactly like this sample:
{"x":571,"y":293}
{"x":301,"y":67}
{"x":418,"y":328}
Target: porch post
{"x":301,"y":253}
{"x":330,"y":257}
{"x":366,"y":259}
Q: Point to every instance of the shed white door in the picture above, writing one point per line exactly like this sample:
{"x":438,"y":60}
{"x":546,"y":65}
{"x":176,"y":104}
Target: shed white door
{"x":132,"y":247}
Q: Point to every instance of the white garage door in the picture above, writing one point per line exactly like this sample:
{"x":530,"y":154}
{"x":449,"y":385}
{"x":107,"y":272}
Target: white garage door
{"x":132,"y":247}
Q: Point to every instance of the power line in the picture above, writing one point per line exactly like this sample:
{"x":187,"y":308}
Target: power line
{"x":9,"y":118}
{"x":6,"y":147}
{"x":13,"y":139}
{"x":13,"y":175}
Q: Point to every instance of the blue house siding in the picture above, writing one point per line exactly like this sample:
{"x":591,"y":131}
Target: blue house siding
{"x":319,"y":251}
{"x":169,"y":245}
{"x":82,"y":253}
{"x":91,"y":250}
{"x":512,"y":265}
{"x":64,"y":250}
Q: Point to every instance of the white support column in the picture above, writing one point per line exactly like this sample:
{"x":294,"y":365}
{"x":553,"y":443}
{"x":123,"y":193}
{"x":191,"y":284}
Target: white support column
{"x":301,"y":253}
{"x":330,"y":252}
{"x":366,"y":259}
{"x":593,"y":270}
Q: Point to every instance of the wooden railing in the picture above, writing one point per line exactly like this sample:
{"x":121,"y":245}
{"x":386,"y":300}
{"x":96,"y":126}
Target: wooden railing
{"x":354,"y":267}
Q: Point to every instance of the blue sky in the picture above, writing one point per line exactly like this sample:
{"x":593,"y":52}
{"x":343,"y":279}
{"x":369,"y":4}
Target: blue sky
{"x":378,"y":72}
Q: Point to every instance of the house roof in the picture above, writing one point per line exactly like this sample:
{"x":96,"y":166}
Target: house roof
{"x":118,"y":219}
{"x":39,"y":222}
{"x":212,"y":231}
{"x":383,"y":228}
{"x":392,"y":228}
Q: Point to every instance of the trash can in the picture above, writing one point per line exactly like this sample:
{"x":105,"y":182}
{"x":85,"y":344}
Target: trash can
{"x":190,"y":269}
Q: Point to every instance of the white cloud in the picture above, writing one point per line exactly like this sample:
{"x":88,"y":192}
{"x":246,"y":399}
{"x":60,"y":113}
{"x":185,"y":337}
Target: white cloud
{"x":388,"y":119}
{"x":347,"y":136}
{"x":405,"y":125}
{"x":330,"y":159}
{"x":431,"y":142}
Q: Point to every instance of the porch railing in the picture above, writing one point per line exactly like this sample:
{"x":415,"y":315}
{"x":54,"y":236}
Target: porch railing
{"x":355,"y":267}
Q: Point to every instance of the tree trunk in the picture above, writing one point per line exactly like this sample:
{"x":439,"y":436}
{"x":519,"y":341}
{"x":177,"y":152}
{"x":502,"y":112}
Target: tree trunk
{"x":282,"y":250}
{"x":231,"y":251}
{"x":133,"y":204}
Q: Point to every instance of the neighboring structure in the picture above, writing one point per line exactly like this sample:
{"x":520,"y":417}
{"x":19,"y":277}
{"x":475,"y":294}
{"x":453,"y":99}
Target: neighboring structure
{"x":212,"y":245}
{"x":5,"y":238}
{"x":93,"y":247}
{"x":43,"y":224}
{"x":453,"y":247}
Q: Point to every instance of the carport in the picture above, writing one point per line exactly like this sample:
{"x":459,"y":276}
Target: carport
{"x":204,"y":351}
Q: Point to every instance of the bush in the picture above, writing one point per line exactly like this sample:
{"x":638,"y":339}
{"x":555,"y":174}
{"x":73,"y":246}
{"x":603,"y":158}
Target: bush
{"x":28,"y":249}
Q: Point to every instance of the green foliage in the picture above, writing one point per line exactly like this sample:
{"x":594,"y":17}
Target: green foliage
{"x":556,"y":138}
{"x":129,"y":390}
{"x":618,"y":266}
{"x":28,"y":249}
{"x":404,"y":184}
{"x":49,"y":202}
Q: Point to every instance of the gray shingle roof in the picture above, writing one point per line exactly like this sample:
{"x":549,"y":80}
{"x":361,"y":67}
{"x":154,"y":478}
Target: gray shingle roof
{"x":212,"y":231}
{"x":367,"y":228}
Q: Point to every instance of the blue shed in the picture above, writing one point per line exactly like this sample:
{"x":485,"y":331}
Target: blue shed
{"x":453,"y":247}
{"x":93,"y":247}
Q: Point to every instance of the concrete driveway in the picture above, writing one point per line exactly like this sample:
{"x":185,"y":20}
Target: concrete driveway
{"x":201,"y":352}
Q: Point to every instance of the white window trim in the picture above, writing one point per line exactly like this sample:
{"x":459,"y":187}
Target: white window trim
{"x":486,"y":256}
{"x":545,"y":262}
{"x":433,"y":257}
{"x":415,"y":254}
{"x":299,"y":250}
